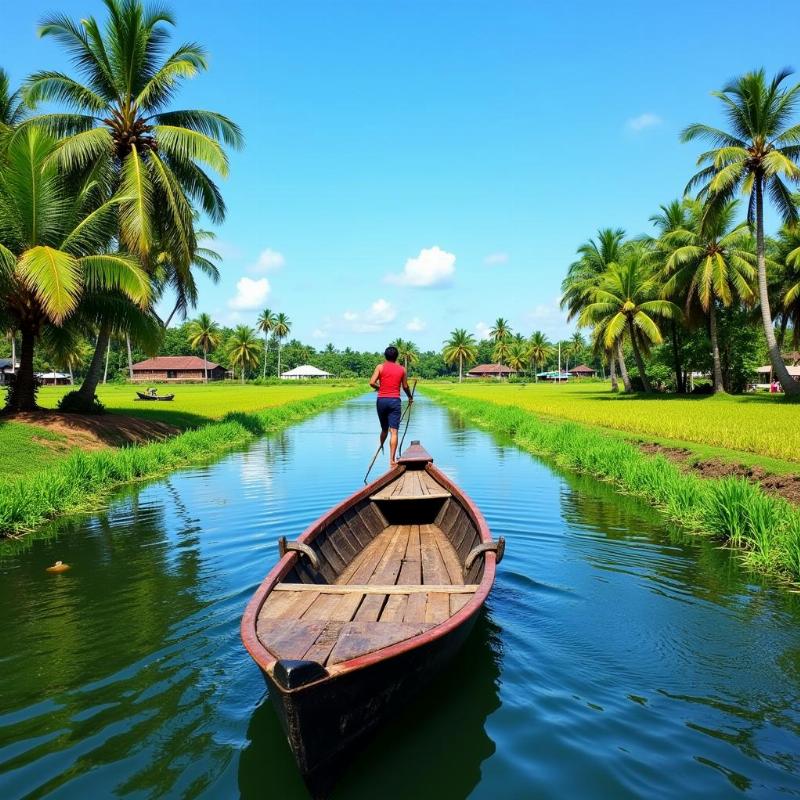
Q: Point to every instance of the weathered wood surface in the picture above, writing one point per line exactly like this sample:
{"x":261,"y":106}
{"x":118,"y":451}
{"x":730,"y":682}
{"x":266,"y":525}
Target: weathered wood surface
{"x":413,"y":484}
{"x":407,"y":579}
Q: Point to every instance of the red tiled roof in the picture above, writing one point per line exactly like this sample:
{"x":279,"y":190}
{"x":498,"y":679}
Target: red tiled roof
{"x":490,"y":369}
{"x":174,"y":362}
{"x":582,"y":368}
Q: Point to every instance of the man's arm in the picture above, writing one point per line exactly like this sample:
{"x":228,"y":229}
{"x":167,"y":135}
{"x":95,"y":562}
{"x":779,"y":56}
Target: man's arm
{"x":406,"y":389}
{"x":374,"y":381}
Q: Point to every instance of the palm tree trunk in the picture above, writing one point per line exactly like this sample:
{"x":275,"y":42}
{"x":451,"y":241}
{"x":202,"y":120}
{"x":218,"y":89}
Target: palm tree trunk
{"x":108,"y":354}
{"x":266,"y":350}
{"x":279,"y":356}
{"x":22,"y":396}
{"x":13,"y":351}
{"x":89,"y":386}
{"x":612,"y":372}
{"x":623,"y":369}
{"x":459,"y":368}
{"x":790,"y":386}
{"x":680,"y":378}
{"x":638,"y":356}
{"x":130,"y":356}
{"x":205,"y":361}
{"x":71,"y":376}
{"x":712,"y":329}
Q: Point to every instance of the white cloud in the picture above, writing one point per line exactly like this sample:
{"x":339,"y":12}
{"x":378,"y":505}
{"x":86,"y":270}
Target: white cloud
{"x":378,"y":315}
{"x":268,"y":260}
{"x":642,"y":122}
{"x":318,"y":333}
{"x":495,"y":259}
{"x":250,"y":294}
{"x":482,"y":330}
{"x":432,"y":267}
{"x":416,"y":324}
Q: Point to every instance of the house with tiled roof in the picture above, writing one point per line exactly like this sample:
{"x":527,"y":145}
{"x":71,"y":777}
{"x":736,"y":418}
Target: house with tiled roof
{"x":180,"y":369}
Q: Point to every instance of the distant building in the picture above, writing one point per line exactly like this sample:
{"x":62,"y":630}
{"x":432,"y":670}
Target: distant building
{"x":553,"y":375}
{"x":304,"y":371}
{"x":53,"y":378}
{"x":186,"y":369}
{"x":7,"y":369}
{"x":582,"y":371}
{"x":491,"y":371}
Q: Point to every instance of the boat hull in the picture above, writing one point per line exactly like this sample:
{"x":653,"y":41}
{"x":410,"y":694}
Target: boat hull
{"x":326,"y":720}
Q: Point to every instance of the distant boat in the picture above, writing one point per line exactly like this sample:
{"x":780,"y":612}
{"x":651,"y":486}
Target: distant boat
{"x":164,"y":397}
{"x":553,"y":376}
{"x":371,"y":601}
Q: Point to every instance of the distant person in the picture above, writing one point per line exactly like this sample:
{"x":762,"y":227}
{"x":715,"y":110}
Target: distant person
{"x":388,"y":378}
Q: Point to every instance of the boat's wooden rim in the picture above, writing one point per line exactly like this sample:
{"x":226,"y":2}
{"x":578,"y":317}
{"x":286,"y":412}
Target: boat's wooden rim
{"x":266,"y":660}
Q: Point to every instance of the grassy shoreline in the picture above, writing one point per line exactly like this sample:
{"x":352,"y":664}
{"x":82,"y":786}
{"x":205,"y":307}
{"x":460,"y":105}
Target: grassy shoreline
{"x":765,"y":528}
{"x":82,"y":481}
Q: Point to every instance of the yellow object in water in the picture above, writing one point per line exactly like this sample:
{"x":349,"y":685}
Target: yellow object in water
{"x":59,"y":566}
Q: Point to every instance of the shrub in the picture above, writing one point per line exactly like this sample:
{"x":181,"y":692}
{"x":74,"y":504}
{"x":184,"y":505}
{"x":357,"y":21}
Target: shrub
{"x":73,"y":403}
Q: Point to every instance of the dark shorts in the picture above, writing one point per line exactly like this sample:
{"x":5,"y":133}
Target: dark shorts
{"x":389,"y":412}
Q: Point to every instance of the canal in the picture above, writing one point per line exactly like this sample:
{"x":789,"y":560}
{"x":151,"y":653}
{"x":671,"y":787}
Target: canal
{"x":616,"y":658}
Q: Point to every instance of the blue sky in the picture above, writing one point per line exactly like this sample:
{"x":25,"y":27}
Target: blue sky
{"x":415,"y":166}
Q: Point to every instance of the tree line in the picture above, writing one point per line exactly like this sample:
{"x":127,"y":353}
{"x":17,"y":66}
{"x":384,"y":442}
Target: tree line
{"x":101,"y":194}
{"x":709,"y":277}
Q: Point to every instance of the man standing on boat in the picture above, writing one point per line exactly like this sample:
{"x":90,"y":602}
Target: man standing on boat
{"x":388,"y":378}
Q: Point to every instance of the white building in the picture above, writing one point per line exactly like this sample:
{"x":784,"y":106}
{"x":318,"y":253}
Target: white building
{"x":304,"y":371}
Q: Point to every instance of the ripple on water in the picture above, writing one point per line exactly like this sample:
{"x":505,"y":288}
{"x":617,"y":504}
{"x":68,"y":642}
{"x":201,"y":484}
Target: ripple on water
{"x":615,"y":658}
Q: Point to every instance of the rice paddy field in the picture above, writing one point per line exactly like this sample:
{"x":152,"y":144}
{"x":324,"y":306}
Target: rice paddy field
{"x":760,"y":424}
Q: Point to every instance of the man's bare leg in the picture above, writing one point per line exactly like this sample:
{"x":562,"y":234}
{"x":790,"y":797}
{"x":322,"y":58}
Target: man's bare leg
{"x":392,"y":447}
{"x":384,"y":434}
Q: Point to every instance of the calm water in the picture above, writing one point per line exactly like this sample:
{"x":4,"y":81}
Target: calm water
{"x":613,"y":660}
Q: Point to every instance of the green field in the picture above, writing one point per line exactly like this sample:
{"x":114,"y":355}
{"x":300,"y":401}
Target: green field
{"x":195,"y":404}
{"x":762,"y":425}
{"x":28,"y":448}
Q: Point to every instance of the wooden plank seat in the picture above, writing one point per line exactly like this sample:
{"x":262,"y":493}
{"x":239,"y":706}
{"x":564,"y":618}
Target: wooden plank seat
{"x":405,"y":581}
{"x":413,"y":484}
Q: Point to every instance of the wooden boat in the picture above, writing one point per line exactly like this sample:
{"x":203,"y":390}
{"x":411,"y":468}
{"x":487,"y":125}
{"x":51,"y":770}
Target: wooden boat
{"x":366,"y":606}
{"x":164,"y":397}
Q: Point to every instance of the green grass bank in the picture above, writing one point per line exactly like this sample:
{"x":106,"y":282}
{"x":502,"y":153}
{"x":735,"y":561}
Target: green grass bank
{"x":764,"y":527}
{"x":82,"y":481}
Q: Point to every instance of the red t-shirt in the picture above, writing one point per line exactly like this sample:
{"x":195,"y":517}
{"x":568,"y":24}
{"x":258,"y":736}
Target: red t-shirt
{"x":391,"y":379}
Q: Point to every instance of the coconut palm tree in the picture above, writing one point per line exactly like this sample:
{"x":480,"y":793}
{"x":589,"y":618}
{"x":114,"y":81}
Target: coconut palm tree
{"x":462,"y":348}
{"x":501,"y":330}
{"x":117,"y":126}
{"x":244,"y":349}
{"x":574,"y":347}
{"x":12,"y":109}
{"x":266,"y":324}
{"x":407,"y":352}
{"x":281,"y":329}
{"x":676,"y":215}
{"x":626,"y":302}
{"x":501,"y":351}
{"x":518,"y":356}
{"x":594,"y":257}
{"x":758,"y":153}
{"x":204,"y":334}
{"x":54,"y":240}
{"x":787,"y":255}
{"x":539,"y":350}
{"x":710,"y":262}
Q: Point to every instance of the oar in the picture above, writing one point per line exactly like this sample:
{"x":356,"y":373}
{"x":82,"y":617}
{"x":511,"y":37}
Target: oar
{"x":371,"y":463}
{"x":408,"y":408}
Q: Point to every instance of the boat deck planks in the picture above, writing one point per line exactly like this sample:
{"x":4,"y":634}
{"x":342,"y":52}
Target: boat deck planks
{"x":367,"y":608}
{"x":413,"y":484}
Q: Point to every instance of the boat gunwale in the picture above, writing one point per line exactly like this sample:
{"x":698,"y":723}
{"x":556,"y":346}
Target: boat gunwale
{"x":264,"y":657}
